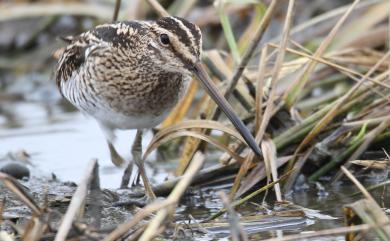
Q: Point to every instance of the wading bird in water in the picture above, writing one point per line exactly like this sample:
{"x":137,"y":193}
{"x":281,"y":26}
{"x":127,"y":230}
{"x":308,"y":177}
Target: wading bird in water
{"x":130,"y":75}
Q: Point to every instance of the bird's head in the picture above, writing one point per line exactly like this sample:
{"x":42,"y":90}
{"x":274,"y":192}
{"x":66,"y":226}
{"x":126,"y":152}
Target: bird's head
{"x":177,"y":44}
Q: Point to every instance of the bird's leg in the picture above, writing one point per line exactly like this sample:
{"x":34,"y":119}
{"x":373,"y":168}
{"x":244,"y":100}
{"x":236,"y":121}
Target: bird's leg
{"x":127,"y":175}
{"x":115,"y":157}
{"x":136,"y":180}
{"x":110,"y":137}
{"x":137,"y":156}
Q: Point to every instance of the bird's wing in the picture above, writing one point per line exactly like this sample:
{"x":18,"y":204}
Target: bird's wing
{"x":75,"y":55}
{"x":97,"y":41}
{"x":71,"y":59}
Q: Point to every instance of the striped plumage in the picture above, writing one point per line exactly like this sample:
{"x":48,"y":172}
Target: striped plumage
{"x":122,"y":75}
{"x":129,"y":75}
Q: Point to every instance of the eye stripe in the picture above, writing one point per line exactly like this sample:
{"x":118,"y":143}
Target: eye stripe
{"x":188,"y":32}
{"x":185,"y":37}
{"x":180,"y":50}
{"x":195,"y":32}
{"x":177,"y":28}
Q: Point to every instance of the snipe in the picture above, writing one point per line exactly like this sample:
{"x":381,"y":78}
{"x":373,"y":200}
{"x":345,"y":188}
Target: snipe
{"x":129,"y":75}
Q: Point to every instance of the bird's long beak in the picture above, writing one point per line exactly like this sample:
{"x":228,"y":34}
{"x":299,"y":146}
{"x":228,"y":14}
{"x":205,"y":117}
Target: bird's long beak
{"x":212,"y":90}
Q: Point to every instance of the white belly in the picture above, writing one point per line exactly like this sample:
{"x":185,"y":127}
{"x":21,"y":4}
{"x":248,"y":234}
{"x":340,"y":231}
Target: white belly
{"x":115,"y":120}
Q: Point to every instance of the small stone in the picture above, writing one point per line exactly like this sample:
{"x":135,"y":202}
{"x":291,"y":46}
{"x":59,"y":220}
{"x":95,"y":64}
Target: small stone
{"x":16,"y":170}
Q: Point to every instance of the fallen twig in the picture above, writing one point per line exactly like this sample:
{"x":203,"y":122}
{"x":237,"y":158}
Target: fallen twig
{"x":14,"y":186}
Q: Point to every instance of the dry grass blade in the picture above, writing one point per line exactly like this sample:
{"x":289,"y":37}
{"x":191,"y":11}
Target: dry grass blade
{"x":260,"y":87}
{"x":199,"y":135}
{"x":198,"y":124}
{"x":295,"y":90}
{"x":248,"y":197}
{"x":289,"y":184}
{"x":366,"y":194}
{"x":257,"y":174}
{"x":174,"y":197}
{"x":76,"y":203}
{"x":14,"y":186}
{"x":372,"y":164}
{"x":269,"y":150}
{"x":367,"y":141}
{"x":373,"y":212}
{"x":270,"y":102}
{"x":358,"y":57}
{"x":371,"y":215}
{"x":349,"y":72}
{"x":182,"y":108}
{"x":222,"y":66}
{"x":34,"y":230}
{"x":165,"y":135}
{"x":277,"y":68}
{"x":251,"y":49}
{"x":190,"y":146}
{"x":336,"y":107}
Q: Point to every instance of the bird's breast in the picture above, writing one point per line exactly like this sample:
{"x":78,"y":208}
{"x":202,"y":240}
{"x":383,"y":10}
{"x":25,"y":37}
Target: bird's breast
{"x":145,"y":103}
{"x":151,"y":93}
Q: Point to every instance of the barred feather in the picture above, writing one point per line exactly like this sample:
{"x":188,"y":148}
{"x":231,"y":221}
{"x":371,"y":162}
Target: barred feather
{"x":123,"y":76}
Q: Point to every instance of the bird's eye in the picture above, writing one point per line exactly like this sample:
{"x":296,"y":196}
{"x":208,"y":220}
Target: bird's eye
{"x":164,"y":39}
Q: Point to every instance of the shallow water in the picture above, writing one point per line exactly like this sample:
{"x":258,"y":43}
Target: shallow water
{"x":63,"y":143}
